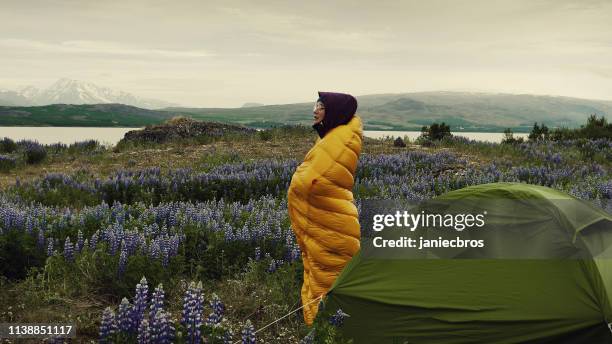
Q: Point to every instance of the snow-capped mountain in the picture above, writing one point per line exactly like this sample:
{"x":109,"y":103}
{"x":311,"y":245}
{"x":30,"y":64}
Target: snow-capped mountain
{"x":69,"y":91}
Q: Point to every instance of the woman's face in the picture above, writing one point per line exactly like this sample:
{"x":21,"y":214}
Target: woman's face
{"x":319,"y":112}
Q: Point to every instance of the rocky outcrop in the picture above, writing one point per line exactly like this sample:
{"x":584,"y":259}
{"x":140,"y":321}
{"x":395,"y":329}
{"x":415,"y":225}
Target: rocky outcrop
{"x":183,"y":128}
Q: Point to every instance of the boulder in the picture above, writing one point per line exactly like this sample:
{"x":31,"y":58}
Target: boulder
{"x":184,"y":128}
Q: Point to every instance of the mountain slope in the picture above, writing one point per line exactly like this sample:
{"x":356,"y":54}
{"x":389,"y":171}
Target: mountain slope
{"x":406,"y":111}
{"x":410,"y":111}
{"x":98,"y":115}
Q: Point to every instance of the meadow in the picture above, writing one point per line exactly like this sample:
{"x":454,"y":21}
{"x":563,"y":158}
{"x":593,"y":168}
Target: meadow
{"x":190,"y":240}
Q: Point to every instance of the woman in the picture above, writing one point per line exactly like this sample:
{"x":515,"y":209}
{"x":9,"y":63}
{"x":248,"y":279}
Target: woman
{"x":320,"y":199}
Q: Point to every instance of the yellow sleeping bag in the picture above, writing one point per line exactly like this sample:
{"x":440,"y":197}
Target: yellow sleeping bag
{"x":323,"y":215}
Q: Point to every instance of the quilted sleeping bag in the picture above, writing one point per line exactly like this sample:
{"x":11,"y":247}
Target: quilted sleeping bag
{"x":323,"y":215}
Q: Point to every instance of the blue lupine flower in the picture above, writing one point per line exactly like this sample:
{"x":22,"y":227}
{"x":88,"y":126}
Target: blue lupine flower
{"x":157,"y":301}
{"x":108,"y":325}
{"x":50,"y":248}
{"x":337,"y":319}
{"x":144,"y":333}
{"x":140,"y":302}
{"x":162,"y":328}
{"x":68,"y":250}
{"x":193,"y":306}
{"x":124,"y":318}
{"x":248,"y":333}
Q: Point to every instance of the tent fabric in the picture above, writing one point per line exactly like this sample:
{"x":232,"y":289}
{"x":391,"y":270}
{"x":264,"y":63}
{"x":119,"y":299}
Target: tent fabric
{"x":485,"y":300}
{"x":322,"y":213}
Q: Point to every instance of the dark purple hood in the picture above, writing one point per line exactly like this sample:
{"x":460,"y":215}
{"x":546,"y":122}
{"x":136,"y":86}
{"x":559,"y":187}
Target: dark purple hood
{"x":339,"y":109}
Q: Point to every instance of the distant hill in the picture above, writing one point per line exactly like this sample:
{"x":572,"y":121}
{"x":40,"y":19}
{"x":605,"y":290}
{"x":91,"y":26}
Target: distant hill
{"x":98,"y":115}
{"x":69,"y":91}
{"x":407,"y":111}
{"x":252,"y":105}
{"x":410,"y":111}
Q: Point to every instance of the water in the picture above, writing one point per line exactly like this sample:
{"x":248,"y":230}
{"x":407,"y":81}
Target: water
{"x":110,"y":136}
{"x":67,"y":135}
{"x":412,"y":135}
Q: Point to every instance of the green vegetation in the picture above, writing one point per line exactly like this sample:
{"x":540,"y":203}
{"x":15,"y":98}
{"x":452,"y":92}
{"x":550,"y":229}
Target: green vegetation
{"x":469,"y":112}
{"x":63,"y":115}
{"x":242,"y":251}
{"x":436,"y":131}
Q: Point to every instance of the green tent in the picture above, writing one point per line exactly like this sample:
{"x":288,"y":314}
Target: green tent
{"x":489,"y":300}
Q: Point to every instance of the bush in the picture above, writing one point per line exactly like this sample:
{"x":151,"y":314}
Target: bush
{"x":7,"y":145}
{"x":539,"y":133}
{"x":7,"y":163}
{"x":509,"y":137}
{"x":265,"y":135}
{"x":34,"y":153}
{"x":436,"y":131}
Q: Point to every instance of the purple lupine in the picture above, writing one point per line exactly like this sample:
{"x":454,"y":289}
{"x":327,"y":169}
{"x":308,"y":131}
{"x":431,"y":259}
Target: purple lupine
{"x":248,"y":333}
{"x":40,"y":243}
{"x":124,"y":316}
{"x":123,"y":259}
{"x":218,"y":308}
{"x":157,"y":301}
{"x":144,"y":333}
{"x":68,"y":250}
{"x":337,"y":319}
{"x":165,"y":257}
{"x":79,"y":244}
{"x":50,"y":248}
{"x":140,"y":302}
{"x":228,"y":336}
{"x":193,"y":304}
{"x":162,"y":328}
{"x":108,"y":325}
{"x":94,"y":241}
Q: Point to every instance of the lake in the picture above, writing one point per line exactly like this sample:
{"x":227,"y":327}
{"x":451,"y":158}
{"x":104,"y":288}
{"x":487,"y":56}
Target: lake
{"x":110,"y":136}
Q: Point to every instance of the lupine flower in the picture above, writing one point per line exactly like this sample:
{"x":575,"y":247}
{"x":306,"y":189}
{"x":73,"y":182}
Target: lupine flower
{"x":248,"y":333}
{"x":140,"y":302}
{"x":157,"y":301}
{"x":193,"y":304}
{"x":162,"y":328}
{"x":108,"y":325}
{"x":337,"y":319}
{"x":79,"y":245}
{"x":68,"y":250}
{"x":123,"y":258}
{"x":124,"y":318}
{"x":144,"y":333}
{"x":50,"y":248}
{"x":228,"y":337}
{"x":41,"y":239}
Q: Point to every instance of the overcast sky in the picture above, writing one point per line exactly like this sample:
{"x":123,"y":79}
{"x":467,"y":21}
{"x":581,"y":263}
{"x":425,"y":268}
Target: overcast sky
{"x":226,"y":53}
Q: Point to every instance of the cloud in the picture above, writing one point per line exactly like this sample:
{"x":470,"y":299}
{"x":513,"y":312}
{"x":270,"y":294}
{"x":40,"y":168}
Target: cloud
{"x":98,"y":47}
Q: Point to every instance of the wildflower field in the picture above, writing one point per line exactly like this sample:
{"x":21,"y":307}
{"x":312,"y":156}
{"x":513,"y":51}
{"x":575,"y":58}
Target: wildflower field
{"x":185,"y":242}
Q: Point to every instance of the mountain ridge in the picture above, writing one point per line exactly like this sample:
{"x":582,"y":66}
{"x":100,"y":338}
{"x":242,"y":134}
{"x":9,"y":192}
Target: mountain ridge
{"x":478,"y":112}
{"x":70,"y":91}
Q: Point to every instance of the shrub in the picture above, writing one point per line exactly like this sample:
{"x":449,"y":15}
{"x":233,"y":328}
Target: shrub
{"x":34,"y":152}
{"x":539,"y":133}
{"x":265,"y":135}
{"x":509,"y":137}
{"x":399,"y":142}
{"x":7,"y":145}
{"x":436,"y":131}
{"x":7,"y":163}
